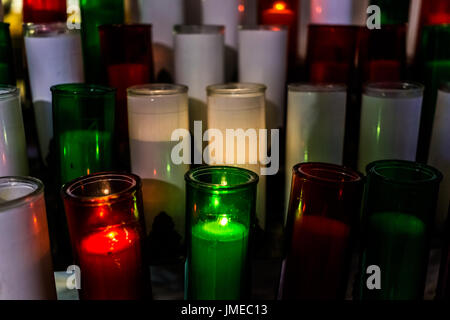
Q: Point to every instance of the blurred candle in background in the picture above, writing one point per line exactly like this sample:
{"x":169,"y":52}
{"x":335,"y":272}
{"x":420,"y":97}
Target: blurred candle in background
{"x":390,"y":119}
{"x":315,"y":126}
{"x":13,"y":148}
{"x":439,"y":156}
{"x":26,"y":264}
{"x":262,"y":59}
{"x":44,"y":11}
{"x":443,"y":288}
{"x":393,"y":12}
{"x":435,"y":12}
{"x":236,"y":106}
{"x":398,"y":215}
{"x":199,"y":62}
{"x":332,"y":12}
{"x":93,"y":14}
{"x":226,"y":13}
{"x":83,"y":129}
{"x":126,"y":52}
{"x":155,"y":112}
{"x":54,"y":56}
{"x":163,"y":15}
{"x":7,"y":68}
{"x":104,"y":213}
{"x":220,"y":209}
{"x":323,"y":214}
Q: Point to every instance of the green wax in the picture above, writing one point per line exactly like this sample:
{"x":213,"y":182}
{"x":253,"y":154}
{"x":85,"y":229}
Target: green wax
{"x":396,"y":242}
{"x":84,"y":152}
{"x":218,"y":260}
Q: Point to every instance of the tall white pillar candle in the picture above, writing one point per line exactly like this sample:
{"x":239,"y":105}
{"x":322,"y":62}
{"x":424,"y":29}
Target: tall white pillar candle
{"x":439,"y":156}
{"x":54,"y":56}
{"x":390,"y":118}
{"x":26,"y":271}
{"x":315,"y":126}
{"x":344,"y":12}
{"x":155,"y":111}
{"x":240,"y":106}
{"x":13,"y":149}
{"x":263,"y":59}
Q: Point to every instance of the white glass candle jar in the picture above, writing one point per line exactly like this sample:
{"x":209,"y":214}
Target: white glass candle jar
{"x":54,"y":56}
{"x":155,"y":111}
{"x":236,"y":106}
{"x":332,"y":11}
{"x":390,"y":119}
{"x":439,"y":156}
{"x":263,"y":59}
{"x":13,"y":149}
{"x":26,"y":271}
{"x":315,"y":126}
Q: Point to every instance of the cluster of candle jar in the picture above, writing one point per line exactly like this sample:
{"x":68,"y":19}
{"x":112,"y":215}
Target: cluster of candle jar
{"x":106,"y":133}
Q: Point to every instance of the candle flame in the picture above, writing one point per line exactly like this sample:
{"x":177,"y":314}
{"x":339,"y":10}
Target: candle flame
{"x":241,"y":8}
{"x":280,"y":5}
{"x":224,"y":221}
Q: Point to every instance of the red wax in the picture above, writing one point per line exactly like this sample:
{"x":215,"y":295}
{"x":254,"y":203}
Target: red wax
{"x":315,"y":262}
{"x":383,"y":70}
{"x":110,"y":262}
{"x":44,"y":11}
{"x":329,"y":71}
{"x":435,"y":12}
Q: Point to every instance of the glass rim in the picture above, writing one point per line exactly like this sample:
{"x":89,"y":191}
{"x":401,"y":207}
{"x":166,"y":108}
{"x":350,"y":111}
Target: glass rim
{"x":374,"y":167}
{"x":236,"y":88}
{"x":264,"y":27}
{"x":46,"y":30}
{"x":198,"y":29}
{"x":7,"y":91}
{"x":30,"y":197}
{"x":124,"y":26}
{"x":191,"y":178}
{"x":319,"y":87}
{"x":157,"y":89}
{"x":299,"y":170}
{"x":67,"y":190}
{"x":394,"y":89}
{"x":82,"y":89}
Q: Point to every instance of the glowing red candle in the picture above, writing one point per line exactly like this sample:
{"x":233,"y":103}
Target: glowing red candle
{"x":105,"y":223}
{"x":435,"y":12}
{"x":44,"y":11}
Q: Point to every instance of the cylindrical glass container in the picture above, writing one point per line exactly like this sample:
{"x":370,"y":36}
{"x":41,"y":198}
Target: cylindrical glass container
{"x":26,"y":264}
{"x":315,"y":126}
{"x":126,"y":52}
{"x":54,"y":56}
{"x":155,"y":112}
{"x":104,"y":214}
{"x":13,"y":147}
{"x":393,"y":12}
{"x":323,"y":213}
{"x":390,"y":119}
{"x":439,"y":156}
{"x":7,"y":72}
{"x":399,"y":207}
{"x":199,"y":62}
{"x":83,"y":129}
{"x":237,"y":106}
{"x":93,"y":14}
{"x":266,"y":46}
{"x":44,"y":11}
{"x":220,"y":212}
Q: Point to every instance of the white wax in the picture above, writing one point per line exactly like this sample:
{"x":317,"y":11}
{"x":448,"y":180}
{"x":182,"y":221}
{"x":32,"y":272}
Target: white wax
{"x":389,"y":129}
{"x":315,"y":128}
{"x":439,"y":156}
{"x":13,"y":150}
{"x":26,"y":271}
{"x":263,"y":59}
{"x":332,"y":11}
{"x":51,"y":60}
{"x":152,"y":119}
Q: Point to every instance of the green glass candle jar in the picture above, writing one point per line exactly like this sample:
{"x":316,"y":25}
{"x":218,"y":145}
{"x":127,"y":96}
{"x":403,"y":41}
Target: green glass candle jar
{"x":399,"y":208}
{"x":83,"y":120}
{"x":393,"y":12}
{"x":7,"y":73}
{"x":220,"y":211}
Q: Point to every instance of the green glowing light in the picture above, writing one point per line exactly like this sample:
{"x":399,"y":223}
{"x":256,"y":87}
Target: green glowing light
{"x":168,"y":168}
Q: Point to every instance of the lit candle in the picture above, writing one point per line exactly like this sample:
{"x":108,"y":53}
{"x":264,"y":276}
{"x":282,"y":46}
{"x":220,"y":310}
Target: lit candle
{"x":104,"y":214}
{"x":44,"y":11}
{"x":56,"y":46}
{"x":26,"y":271}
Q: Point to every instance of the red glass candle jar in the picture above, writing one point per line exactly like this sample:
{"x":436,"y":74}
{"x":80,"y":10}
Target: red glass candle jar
{"x":435,"y":12}
{"x":382,"y":53}
{"x":323,"y":212}
{"x":44,"y":11}
{"x":105,"y":218}
{"x":126,"y":52}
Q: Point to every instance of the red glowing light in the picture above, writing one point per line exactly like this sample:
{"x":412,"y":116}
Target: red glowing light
{"x":280,"y":5}
{"x":241,"y":8}
{"x":109,"y":241}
